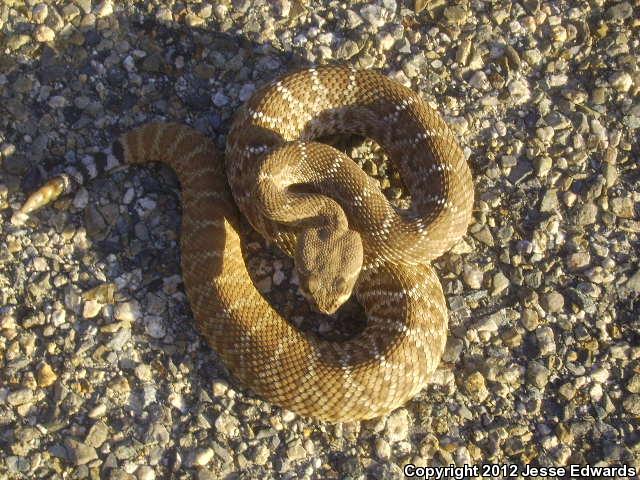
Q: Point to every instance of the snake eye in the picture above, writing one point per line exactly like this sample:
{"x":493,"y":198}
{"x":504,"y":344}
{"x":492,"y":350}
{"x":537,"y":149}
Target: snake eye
{"x":340,"y":284}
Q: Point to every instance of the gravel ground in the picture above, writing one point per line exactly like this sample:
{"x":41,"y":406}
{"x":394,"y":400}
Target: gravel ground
{"x":102,"y":372}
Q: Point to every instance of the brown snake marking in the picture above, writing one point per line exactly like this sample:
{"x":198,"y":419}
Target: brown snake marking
{"x":345,"y":237}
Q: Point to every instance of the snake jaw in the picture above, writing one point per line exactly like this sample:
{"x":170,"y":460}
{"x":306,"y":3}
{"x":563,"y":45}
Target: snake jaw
{"x":338,"y":303}
{"x":327,"y":296}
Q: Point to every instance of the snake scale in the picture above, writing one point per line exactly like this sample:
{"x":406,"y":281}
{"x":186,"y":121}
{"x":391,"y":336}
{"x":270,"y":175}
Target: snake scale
{"x":314,"y":203}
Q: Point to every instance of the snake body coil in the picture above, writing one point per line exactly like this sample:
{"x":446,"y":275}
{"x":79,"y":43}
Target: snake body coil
{"x":343,"y":234}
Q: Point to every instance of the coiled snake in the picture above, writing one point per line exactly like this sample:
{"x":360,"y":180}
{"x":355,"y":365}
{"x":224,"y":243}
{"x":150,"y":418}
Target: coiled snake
{"x":314,"y":203}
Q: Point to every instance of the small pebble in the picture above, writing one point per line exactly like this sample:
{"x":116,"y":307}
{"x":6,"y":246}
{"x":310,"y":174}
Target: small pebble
{"x":621,"y":81}
{"x":472,"y":277}
{"x":587,"y":214}
{"x":104,"y":9}
{"x":40,"y":12}
{"x":633,"y":385}
{"x":145,"y":472}
{"x":45,"y":375}
{"x":383,"y":449}
{"x":98,"y":411}
{"x":397,"y":427}
{"x":500,"y":283}
{"x":476,"y":387}
{"x":20,"y":397}
{"x":127,"y":311}
{"x":80,"y":453}
{"x":552,"y":302}
{"x":91,"y":308}
{"x":538,"y":374}
{"x":203,"y":457}
{"x":44,"y":34}
{"x":529,"y":319}
{"x":546,"y":341}
{"x":97,"y":435}
{"x":578,"y":260}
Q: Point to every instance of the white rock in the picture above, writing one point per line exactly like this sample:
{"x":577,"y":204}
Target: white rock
{"x":163,"y":14}
{"x":155,"y":326}
{"x":219,"y":388}
{"x":383,"y":449}
{"x":278,"y":277}
{"x":40,"y":264}
{"x":91,"y":308}
{"x":127,"y":311}
{"x":288,"y":416}
{"x":129,"y":63}
{"x":227,"y":425}
{"x":57,"y":101}
{"x":479,"y":80}
{"x":40,"y":12}
{"x":58,"y":317}
{"x":144,"y":205}
{"x":374,"y":15}
{"x":203,"y":457}
{"x":145,"y":472}
{"x":621,"y":81}
{"x":472,"y":276}
{"x":98,"y":411}
{"x":261,"y":455}
{"x":44,"y":34}
{"x":104,"y":9}
{"x":397,"y":427}
{"x":519,"y":90}
{"x":600,"y":375}
{"x":128,"y":196}
{"x":545,"y":134}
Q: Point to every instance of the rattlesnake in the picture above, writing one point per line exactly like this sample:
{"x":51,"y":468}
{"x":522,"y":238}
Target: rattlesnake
{"x":343,"y":236}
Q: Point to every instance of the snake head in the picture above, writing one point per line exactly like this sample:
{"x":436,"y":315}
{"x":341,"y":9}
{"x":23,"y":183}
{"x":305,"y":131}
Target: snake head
{"x":328,"y":265}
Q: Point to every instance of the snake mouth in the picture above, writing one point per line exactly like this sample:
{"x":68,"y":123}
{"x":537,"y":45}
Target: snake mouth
{"x":312,"y":300}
